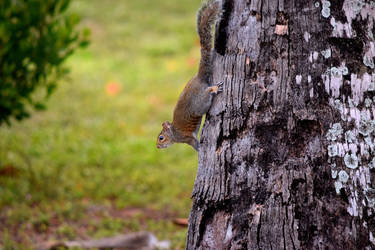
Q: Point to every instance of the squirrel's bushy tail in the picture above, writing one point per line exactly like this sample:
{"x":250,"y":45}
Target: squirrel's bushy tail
{"x":207,"y":15}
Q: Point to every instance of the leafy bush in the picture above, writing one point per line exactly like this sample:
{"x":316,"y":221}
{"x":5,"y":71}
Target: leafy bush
{"x":35,"y":38}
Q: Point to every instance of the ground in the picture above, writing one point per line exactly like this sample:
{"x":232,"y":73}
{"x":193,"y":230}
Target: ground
{"x":88,"y":167}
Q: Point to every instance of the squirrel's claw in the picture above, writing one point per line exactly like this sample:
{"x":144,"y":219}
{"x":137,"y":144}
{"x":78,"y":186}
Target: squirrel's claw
{"x":220,"y":87}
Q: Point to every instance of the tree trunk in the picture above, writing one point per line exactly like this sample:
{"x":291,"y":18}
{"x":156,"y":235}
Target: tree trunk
{"x":286,"y":159}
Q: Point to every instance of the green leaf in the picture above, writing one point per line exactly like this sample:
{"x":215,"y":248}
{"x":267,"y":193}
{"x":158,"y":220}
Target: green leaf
{"x":84,"y":44}
{"x":50,"y":89}
{"x":40,"y":106}
{"x":35,"y":40}
{"x":64,"y":5}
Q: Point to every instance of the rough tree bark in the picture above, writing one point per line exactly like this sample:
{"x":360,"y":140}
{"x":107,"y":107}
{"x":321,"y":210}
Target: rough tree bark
{"x":287,"y":150}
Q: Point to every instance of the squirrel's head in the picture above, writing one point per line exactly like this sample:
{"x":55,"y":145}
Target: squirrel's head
{"x":165,"y":137}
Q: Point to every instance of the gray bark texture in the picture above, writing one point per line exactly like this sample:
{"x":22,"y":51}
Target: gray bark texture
{"x":286,"y":159}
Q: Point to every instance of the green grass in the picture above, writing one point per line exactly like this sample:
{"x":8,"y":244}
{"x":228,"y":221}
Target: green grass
{"x":92,"y":149}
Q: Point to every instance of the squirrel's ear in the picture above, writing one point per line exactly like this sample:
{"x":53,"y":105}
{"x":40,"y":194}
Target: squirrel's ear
{"x":166,"y":125}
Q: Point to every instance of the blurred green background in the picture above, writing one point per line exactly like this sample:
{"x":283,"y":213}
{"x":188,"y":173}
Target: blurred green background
{"x":87,"y":167}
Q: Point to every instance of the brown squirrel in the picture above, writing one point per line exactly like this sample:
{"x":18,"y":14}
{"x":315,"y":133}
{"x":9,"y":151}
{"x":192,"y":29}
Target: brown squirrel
{"x":196,"y":98}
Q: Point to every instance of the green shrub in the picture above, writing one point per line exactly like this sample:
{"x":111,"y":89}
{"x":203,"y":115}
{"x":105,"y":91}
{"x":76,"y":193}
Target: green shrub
{"x":36,"y":36}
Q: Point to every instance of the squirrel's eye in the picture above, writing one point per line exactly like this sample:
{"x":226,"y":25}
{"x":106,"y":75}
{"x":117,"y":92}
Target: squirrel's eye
{"x":161,"y":137}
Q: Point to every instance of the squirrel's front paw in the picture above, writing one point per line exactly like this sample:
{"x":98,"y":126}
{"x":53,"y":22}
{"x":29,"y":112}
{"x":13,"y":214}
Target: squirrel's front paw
{"x":217,"y":88}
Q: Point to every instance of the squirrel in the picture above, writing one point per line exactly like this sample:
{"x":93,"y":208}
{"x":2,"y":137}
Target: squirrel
{"x":196,"y":98}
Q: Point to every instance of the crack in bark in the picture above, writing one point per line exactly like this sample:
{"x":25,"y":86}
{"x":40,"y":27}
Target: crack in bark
{"x":284,"y":240}
{"x":291,"y":239}
{"x":221,"y":33}
{"x":291,"y":230}
{"x":258,"y":229}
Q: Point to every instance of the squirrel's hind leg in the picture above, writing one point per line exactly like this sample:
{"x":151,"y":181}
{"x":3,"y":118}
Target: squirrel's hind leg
{"x":203,"y":100}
